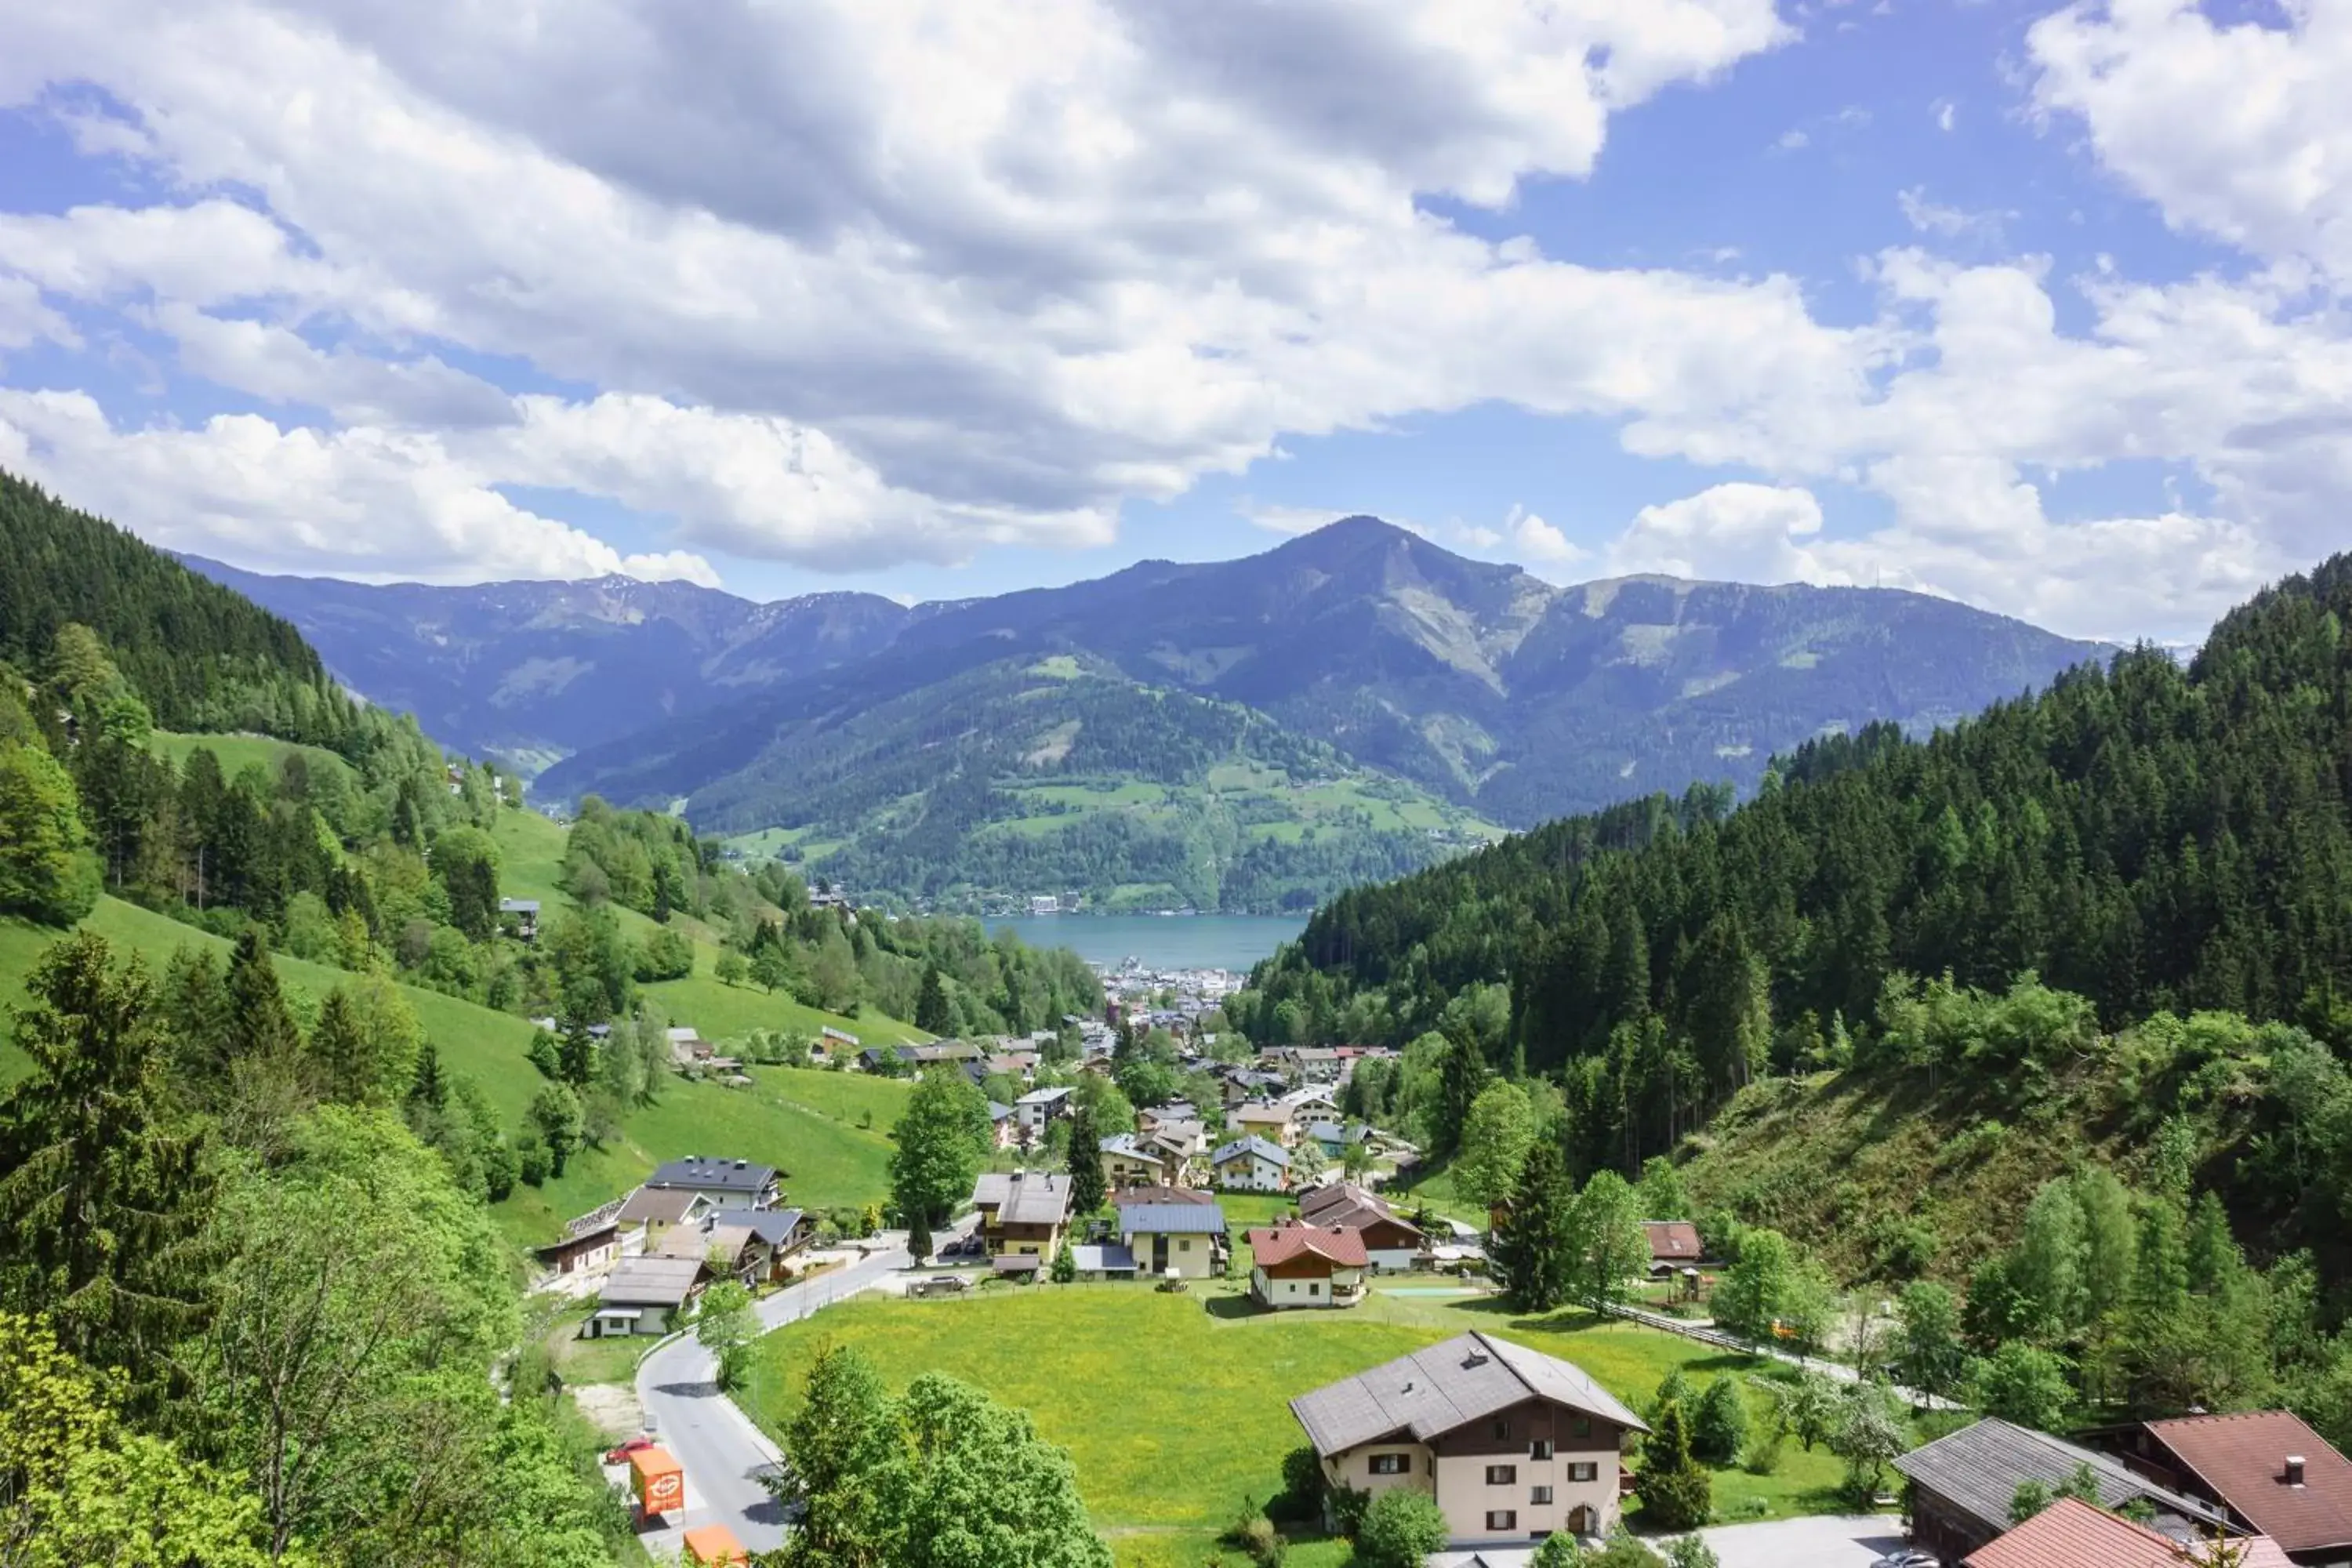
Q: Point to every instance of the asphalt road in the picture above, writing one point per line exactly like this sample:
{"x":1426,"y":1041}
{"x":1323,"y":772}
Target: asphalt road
{"x":724,"y":1455}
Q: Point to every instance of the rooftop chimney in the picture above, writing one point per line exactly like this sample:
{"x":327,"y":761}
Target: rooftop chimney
{"x":2295,"y":1469}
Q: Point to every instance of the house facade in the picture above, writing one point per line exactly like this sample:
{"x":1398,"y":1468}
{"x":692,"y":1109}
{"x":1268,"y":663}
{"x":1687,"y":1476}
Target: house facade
{"x":1127,"y":1161}
{"x":1271,"y":1121}
{"x":1187,"y":1237}
{"x":644,"y":1295}
{"x":1034,"y":1110}
{"x":1511,"y":1445}
{"x":1305,"y":1266}
{"x":1252,"y":1165}
{"x":1022,"y":1214}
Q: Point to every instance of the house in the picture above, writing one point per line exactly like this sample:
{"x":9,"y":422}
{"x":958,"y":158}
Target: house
{"x":1674,"y":1245}
{"x":1022,"y":1214}
{"x":1103,"y":1261}
{"x":519,"y":917}
{"x":2071,"y":1534}
{"x":1270,"y":1120}
{"x":1962,"y":1484}
{"x":1185,"y":1237}
{"x":589,"y":1244}
{"x":1299,"y":1265}
{"x":1152,"y":1118}
{"x":2269,"y":1472}
{"x":1038,"y":1107}
{"x":833,"y":1041}
{"x":726,"y":1184}
{"x":686,"y":1047}
{"x":1252,"y":1165}
{"x":726,"y":1245}
{"x":646,"y":1215}
{"x":644,"y":1295}
{"x":1337,"y":1138}
{"x":1512,"y":1445}
{"x":785,"y":1232}
{"x":1390,"y":1243}
{"x":1005,"y":1128}
{"x":1127,"y":1163}
{"x":1165,"y":1196}
{"x":943,"y":1053}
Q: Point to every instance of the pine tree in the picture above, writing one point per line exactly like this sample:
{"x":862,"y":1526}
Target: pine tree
{"x":933,"y":1015}
{"x":1676,"y":1491}
{"x":576,"y":1055}
{"x":98,"y":1193}
{"x":1531,"y":1249}
{"x":428,"y":1092}
{"x":1087,"y":1186}
{"x":1719,"y":1430}
{"x":342,"y":1050}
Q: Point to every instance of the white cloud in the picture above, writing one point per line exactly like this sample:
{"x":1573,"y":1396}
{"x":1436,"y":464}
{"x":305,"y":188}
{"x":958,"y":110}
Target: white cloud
{"x":1948,"y":222}
{"x":1747,"y":533}
{"x":1276,"y":518}
{"x":370,"y":503}
{"x":1536,"y":542}
{"x":2242,"y":132}
{"x":1945,"y":112}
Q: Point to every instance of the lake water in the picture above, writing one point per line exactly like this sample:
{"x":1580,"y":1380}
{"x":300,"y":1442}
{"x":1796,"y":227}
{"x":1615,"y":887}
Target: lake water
{"x":1174,"y":942}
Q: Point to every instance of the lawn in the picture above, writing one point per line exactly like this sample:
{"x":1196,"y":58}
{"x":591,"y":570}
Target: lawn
{"x":238,"y":753}
{"x":1176,"y":1407}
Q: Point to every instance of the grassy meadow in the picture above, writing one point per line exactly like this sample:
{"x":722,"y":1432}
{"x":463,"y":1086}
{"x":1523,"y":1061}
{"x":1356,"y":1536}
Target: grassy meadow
{"x":1175,"y":1408}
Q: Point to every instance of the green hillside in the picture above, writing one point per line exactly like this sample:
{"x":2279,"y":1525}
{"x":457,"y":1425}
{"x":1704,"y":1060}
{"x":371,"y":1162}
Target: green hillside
{"x":238,"y":753}
{"x":1062,"y":773}
{"x":826,"y":1129}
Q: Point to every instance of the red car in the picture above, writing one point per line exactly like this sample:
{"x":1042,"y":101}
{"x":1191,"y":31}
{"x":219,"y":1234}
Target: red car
{"x":621,"y":1455}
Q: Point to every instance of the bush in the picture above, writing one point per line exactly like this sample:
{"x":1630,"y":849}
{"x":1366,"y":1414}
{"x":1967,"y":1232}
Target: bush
{"x":1399,"y":1530}
{"x":531,"y":1163}
{"x":542,"y":1054}
{"x":1254,"y":1536}
{"x":1676,"y":1491}
{"x":1300,"y":1500}
{"x":1764,"y":1458}
{"x":1720,"y":1428}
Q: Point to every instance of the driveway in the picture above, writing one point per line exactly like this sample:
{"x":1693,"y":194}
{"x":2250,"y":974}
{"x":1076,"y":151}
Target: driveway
{"x":1832,"y":1542}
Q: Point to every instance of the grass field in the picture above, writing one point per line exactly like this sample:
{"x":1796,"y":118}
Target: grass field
{"x":1176,"y":1407}
{"x":809,"y":1124}
{"x":237,"y":752}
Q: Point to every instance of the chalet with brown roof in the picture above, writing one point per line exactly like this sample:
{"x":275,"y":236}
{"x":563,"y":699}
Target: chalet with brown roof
{"x":1962,"y":1484}
{"x":1299,"y":1265}
{"x":2268,"y":1470}
{"x":1674,"y":1245}
{"x":1390,"y":1243}
{"x":649,"y":1213}
{"x":2071,"y":1534}
{"x":1511,"y":1444}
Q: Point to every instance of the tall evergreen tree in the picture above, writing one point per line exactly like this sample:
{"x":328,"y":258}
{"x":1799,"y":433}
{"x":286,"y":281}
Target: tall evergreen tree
{"x":1087,"y":1186}
{"x":1533,"y":1249}
{"x":933,"y":1015}
{"x":98,"y":1189}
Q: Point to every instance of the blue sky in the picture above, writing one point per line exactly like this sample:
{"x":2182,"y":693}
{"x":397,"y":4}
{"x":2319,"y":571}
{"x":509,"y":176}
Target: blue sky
{"x":2005,"y":301}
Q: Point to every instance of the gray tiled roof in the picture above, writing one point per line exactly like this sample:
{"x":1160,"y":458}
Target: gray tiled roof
{"x":1431,"y":1392}
{"x":1125,"y":1145}
{"x":1978,"y":1469}
{"x":1032,"y":1197}
{"x":713,"y":1175}
{"x":1171,"y":1219}
{"x":1252,"y":1144}
{"x":651,"y":1281}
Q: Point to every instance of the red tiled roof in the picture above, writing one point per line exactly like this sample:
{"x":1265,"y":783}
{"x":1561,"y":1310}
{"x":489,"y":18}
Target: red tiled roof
{"x":2241,"y":1459}
{"x":1672,"y":1241}
{"x":2071,"y":1534}
{"x":1345,"y":1249}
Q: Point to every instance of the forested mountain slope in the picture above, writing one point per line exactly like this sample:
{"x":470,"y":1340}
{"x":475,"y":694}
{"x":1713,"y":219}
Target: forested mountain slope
{"x":2150,"y":837}
{"x":533,"y":671}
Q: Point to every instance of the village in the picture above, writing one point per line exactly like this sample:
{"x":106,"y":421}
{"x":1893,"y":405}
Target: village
{"x":1269,"y":1200}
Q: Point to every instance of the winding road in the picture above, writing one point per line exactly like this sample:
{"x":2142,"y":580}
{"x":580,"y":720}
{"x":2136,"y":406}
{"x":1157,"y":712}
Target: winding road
{"x":723,"y":1453}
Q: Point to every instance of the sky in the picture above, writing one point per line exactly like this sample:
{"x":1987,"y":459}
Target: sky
{"x":2039,"y":308}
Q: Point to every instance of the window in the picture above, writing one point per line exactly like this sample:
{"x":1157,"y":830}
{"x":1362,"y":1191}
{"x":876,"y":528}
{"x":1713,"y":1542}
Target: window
{"x":1184,"y":1246}
{"x":1539,"y":1496}
{"x":1583,"y":1472}
{"x":1502,"y":1519}
{"x":1313,"y":1287}
{"x":1584,"y":1425}
{"x":1503,"y":1430}
{"x":1391,"y":1464}
{"x":1501,"y":1475}
{"x":1539,"y":1449}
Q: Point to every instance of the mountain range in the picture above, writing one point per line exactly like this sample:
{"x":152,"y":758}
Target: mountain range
{"x":1353,"y":701}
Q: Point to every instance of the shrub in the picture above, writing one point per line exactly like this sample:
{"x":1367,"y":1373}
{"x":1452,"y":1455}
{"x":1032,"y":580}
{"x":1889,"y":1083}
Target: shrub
{"x":1720,"y":1427}
{"x":1254,"y":1536}
{"x":1399,"y":1530}
{"x":1676,"y":1491}
{"x":1300,"y":1500}
{"x":542,"y":1054}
